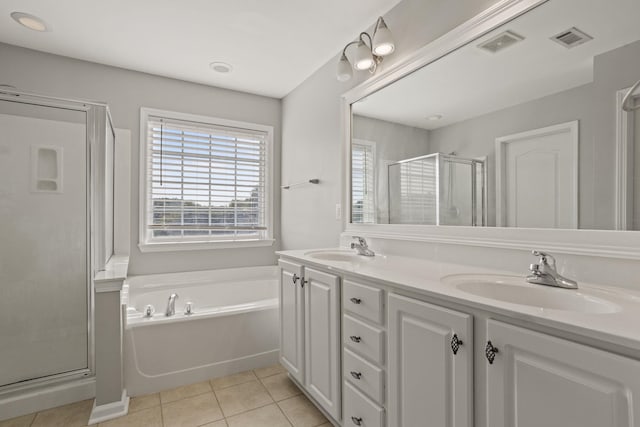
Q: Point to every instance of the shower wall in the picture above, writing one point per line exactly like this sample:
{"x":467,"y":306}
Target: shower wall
{"x":44,"y":245}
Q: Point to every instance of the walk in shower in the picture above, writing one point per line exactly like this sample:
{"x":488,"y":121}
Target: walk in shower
{"x":56,"y":223}
{"x":437,"y":189}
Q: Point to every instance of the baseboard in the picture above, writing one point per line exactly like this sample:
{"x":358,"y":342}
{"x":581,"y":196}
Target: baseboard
{"x":46,"y":397}
{"x":110,"y":411}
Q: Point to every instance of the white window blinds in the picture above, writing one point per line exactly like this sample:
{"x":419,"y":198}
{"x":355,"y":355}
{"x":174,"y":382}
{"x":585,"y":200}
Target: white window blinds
{"x":205,"y":182}
{"x":363,"y":183}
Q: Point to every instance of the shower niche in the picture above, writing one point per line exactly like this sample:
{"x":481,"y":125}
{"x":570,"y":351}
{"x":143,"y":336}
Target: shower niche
{"x":437,"y":189}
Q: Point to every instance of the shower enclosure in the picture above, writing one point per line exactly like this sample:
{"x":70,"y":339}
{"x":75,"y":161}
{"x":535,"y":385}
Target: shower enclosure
{"x":437,"y":189}
{"x":56,"y":223}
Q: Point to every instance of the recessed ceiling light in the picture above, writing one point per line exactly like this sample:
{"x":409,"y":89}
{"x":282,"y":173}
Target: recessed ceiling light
{"x":30,"y":21}
{"x":221,"y":67}
{"x":435,"y":117}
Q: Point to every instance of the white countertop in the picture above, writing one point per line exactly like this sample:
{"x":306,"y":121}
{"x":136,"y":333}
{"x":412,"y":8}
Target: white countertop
{"x":424,"y":276}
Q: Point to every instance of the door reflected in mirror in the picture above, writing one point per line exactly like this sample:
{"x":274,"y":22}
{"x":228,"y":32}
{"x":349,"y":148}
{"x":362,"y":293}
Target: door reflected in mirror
{"x":523,"y":127}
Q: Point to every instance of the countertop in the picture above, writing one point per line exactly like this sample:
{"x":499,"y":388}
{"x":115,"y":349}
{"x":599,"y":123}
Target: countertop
{"x":424,"y":277}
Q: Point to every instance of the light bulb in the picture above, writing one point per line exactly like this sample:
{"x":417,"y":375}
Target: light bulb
{"x":344,"y":72}
{"x":382,"y":40}
{"x":363,"y":58}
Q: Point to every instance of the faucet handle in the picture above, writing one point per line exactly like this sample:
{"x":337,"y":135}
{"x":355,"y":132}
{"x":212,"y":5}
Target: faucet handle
{"x":361,"y":241}
{"x":544,"y":257}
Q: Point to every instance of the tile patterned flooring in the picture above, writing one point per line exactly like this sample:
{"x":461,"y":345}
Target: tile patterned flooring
{"x":260,"y":398}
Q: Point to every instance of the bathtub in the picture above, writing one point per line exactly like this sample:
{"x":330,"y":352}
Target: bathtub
{"x":233,"y":326}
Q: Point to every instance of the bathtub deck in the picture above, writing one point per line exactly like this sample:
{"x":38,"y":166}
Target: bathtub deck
{"x":259,"y":398}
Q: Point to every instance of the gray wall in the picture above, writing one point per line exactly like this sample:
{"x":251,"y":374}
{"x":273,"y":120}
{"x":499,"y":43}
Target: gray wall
{"x":126,"y":91}
{"x":311,"y":122}
{"x":393,"y":142}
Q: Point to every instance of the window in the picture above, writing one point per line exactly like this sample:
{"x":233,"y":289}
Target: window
{"x":206,"y":182}
{"x":363,"y":208}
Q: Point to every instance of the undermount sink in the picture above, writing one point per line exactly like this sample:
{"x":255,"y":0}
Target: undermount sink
{"x":515,"y":290}
{"x":334,"y":255}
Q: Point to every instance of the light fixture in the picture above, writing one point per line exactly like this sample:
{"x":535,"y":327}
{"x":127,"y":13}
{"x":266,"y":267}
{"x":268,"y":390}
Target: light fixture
{"x":32,"y":22}
{"x":366,"y":56}
{"x":221,"y":67}
{"x":435,"y":117}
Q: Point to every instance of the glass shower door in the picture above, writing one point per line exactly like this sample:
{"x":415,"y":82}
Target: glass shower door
{"x":44,"y":327}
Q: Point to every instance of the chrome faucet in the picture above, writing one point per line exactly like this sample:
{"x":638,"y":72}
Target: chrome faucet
{"x":362,"y":247}
{"x":171,"y":305}
{"x":545,"y":273}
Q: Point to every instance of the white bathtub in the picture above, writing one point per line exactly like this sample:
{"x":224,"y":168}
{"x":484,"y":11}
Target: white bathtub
{"x":233,"y":326}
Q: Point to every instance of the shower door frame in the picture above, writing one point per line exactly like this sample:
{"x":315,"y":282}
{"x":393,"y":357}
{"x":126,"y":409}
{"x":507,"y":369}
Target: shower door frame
{"x":92,"y":134}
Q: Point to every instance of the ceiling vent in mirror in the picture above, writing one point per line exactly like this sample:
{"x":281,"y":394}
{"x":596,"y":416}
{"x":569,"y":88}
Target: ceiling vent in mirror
{"x":500,"y":42}
{"x":571,"y":38}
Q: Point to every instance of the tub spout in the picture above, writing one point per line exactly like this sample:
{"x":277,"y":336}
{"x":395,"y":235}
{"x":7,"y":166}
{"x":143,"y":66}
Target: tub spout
{"x":171,"y":305}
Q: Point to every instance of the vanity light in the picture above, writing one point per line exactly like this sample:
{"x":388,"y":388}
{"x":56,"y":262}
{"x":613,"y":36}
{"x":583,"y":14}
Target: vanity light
{"x":367,"y":55}
{"x":32,"y":22}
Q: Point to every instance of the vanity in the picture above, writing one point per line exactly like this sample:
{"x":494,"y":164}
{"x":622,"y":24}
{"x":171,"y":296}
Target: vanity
{"x":395,"y":341}
{"x":518,"y":130}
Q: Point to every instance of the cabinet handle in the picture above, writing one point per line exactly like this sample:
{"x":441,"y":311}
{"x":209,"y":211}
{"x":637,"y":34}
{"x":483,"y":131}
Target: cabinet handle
{"x":355,"y":300}
{"x":355,"y":338}
{"x":303,"y":282}
{"x":490,"y":352}
{"x":295,"y":279}
{"x":356,"y":420}
{"x":356,"y":375}
{"x":456,"y":343}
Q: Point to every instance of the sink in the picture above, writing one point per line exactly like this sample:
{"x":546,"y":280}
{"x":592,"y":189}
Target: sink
{"x":334,"y":255}
{"x":515,"y":290}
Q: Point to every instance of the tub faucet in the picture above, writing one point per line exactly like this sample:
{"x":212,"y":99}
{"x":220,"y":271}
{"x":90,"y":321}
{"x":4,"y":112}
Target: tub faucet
{"x":545,"y":273}
{"x":171,"y":305}
{"x":362,"y":247}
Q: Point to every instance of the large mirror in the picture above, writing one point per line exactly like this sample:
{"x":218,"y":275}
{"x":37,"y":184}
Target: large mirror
{"x":523,"y":127}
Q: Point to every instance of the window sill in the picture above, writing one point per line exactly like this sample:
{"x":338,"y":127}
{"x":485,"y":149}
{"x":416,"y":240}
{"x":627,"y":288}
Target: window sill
{"x":193,"y":246}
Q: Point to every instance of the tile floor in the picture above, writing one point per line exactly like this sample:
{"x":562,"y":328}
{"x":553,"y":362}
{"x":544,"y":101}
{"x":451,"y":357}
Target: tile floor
{"x":259,"y":398}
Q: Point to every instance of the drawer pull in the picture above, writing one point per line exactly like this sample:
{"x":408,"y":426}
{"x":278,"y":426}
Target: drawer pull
{"x":355,"y":338}
{"x":356,"y":420}
{"x":356,"y":300}
{"x":456,"y":343}
{"x":356,"y":375}
{"x":490,"y":352}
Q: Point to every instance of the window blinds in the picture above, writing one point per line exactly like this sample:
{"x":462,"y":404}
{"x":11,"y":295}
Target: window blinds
{"x":204,"y":181}
{"x":362,"y":184}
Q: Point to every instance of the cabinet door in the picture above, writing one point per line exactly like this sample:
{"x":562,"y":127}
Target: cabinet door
{"x":322,"y":327}
{"x":428,"y":383}
{"x":539,"y":380}
{"x":292,"y":319}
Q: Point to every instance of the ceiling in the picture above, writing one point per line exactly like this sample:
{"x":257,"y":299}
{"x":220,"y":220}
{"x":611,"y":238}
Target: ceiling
{"x":471,"y":82}
{"x":272,"y":45}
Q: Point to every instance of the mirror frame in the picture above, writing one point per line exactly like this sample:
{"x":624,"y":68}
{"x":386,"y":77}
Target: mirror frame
{"x":601,"y":243}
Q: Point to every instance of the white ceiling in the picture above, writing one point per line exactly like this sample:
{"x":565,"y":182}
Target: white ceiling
{"x":273,"y":45}
{"x":471,"y":82}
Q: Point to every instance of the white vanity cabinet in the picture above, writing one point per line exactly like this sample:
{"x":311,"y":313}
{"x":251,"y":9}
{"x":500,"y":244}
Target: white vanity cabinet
{"x":322,"y":339}
{"x":540,"y":380}
{"x":430,"y":365}
{"x":310,"y":332}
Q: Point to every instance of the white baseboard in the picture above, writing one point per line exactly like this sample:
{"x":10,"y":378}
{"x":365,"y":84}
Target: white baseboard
{"x":111,"y":410}
{"x":46,"y":397}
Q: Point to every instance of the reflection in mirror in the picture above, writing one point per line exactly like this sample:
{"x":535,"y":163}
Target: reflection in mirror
{"x":523,"y":127}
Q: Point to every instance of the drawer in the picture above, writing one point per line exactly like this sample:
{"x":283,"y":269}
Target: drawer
{"x":364,"y":339}
{"x":359,"y":410}
{"x":367,"y":377}
{"x":362,"y":300}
